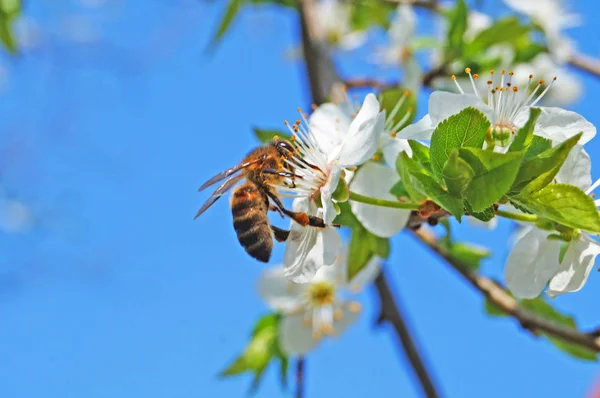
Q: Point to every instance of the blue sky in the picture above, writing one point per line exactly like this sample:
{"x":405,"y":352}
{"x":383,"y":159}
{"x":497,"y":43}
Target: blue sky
{"x":116,"y":292}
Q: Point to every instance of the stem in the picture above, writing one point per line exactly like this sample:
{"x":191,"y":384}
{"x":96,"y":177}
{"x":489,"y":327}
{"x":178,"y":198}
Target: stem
{"x":517,"y":216}
{"x":382,"y":202}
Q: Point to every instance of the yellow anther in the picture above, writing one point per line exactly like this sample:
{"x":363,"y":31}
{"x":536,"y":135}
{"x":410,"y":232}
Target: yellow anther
{"x":502,"y":72}
{"x":355,"y":307}
{"x":492,"y":72}
{"x":327,"y":329}
{"x":375,"y":158}
{"x":293,"y":138}
{"x":515,"y":89}
{"x":554,"y":78}
{"x":298,"y":121}
{"x":338,"y":315}
{"x":275,"y":137}
{"x":489,"y":82}
{"x":286,"y":122}
{"x":393,"y":134}
{"x":531,"y":76}
{"x":453,"y":77}
{"x":467,"y":70}
{"x":406,"y":93}
{"x":542,"y":81}
{"x":475,"y":76}
{"x":314,"y":106}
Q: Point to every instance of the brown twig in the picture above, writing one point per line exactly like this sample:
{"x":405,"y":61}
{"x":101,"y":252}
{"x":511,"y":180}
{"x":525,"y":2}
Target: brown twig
{"x":372,"y":83}
{"x":300,"y":364}
{"x":390,"y":312}
{"x":323,"y":78}
{"x":507,"y":304}
{"x":586,"y":63}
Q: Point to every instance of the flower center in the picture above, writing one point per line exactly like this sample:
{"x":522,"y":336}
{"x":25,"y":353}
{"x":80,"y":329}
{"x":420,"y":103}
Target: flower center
{"x":321,"y":294}
{"x":506,"y":100}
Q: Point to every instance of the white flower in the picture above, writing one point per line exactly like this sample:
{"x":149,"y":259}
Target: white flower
{"x":534,"y":261}
{"x":401,"y":31}
{"x":327,"y":144}
{"x":569,"y":89}
{"x":507,"y":108}
{"x":552,"y":16}
{"x":309,"y":248}
{"x":316,"y":309}
{"x":333,"y":21}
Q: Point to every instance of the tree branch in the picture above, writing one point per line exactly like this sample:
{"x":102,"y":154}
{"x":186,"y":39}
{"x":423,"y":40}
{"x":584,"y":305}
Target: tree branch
{"x":390,"y":312}
{"x":507,"y":304}
{"x":323,"y":78}
{"x":300,"y":363}
{"x":586,"y":63}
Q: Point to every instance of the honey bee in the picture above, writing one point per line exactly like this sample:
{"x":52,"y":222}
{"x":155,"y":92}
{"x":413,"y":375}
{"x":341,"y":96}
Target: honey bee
{"x":262,"y":167}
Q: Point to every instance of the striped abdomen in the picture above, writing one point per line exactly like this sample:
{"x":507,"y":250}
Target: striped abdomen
{"x":249,"y":207}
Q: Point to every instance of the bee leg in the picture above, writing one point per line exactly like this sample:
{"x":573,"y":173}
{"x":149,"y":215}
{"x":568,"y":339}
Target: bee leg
{"x":298,"y":216}
{"x":277,"y":209}
{"x":281,"y":235}
{"x":292,"y":176}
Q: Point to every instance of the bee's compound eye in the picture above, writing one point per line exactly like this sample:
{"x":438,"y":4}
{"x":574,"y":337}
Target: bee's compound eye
{"x":285,"y":145}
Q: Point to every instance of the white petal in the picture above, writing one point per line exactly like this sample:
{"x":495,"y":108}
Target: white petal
{"x":559,"y":125}
{"x":442,"y":105}
{"x":278,"y":291}
{"x":363,"y":136}
{"x":308,"y":249}
{"x":392,"y":147}
{"x":327,"y":191}
{"x":420,"y":130}
{"x":577,"y":169}
{"x":376,"y":180}
{"x":348,"y":318}
{"x":575,"y":268}
{"x":403,"y":25}
{"x":367,"y":274}
{"x":531,"y":264}
{"x":329,"y":125}
{"x":294,"y":337}
{"x":352,"y":40}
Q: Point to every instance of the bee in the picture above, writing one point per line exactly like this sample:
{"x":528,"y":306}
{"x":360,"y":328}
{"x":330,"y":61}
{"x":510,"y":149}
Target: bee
{"x":262,"y":168}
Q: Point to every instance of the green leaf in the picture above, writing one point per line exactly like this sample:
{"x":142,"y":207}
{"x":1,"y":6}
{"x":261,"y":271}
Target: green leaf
{"x":524,"y":136}
{"x":485,"y":215}
{"x":467,"y":129}
{"x":397,"y":102}
{"x":494,"y":175}
{"x":7,"y":37}
{"x":363,"y":246}
{"x":346,"y":217}
{"x":457,"y":174}
{"x":543,"y":309}
{"x":506,"y":30}
{"x":404,"y":166}
{"x":426,"y":185}
{"x":420,"y":153}
{"x":538,"y":145}
{"x":399,"y":190}
{"x":231,"y":11}
{"x":565,"y":204}
{"x":265,"y":136}
{"x":457,"y":21}
{"x":526,"y":53}
{"x":260,"y":351}
{"x":368,"y":13}
{"x":466,"y":254}
{"x":538,"y":172}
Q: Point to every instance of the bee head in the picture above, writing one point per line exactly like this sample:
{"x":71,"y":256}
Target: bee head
{"x":285,"y":148}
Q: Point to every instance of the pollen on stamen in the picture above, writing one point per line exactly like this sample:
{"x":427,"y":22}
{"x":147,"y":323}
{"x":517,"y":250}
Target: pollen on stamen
{"x":502,"y":72}
{"x":314,"y":106}
{"x":531,"y":76}
{"x":406,"y":93}
{"x":515,"y":89}
{"x":276,"y":137}
{"x":467,"y":70}
{"x":554,"y":78}
{"x":393,"y":134}
{"x":492,"y":72}
{"x":511,"y":73}
{"x":327,"y":329}
{"x":476,"y":76}
{"x":286,"y":122}
{"x":453,"y":77}
{"x":375,"y":158}
{"x":293,"y":138}
{"x":542,"y":81}
{"x":298,"y":122}
{"x":489,"y":82}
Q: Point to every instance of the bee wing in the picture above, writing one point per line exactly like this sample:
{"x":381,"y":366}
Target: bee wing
{"x":218,"y":193}
{"x":224,"y":174}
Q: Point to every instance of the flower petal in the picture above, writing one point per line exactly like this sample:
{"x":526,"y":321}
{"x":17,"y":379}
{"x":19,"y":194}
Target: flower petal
{"x":376,"y":180}
{"x":577,"y":169}
{"x":278,"y":291}
{"x":329,"y":124}
{"x":531,"y":264}
{"x":559,"y":125}
{"x":575,"y":268}
{"x":420,"y":130}
{"x":442,"y":105}
{"x":327,"y":191}
{"x":363,"y":135}
{"x":392,"y":147}
{"x":294,"y":337}
{"x":308,"y":249}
